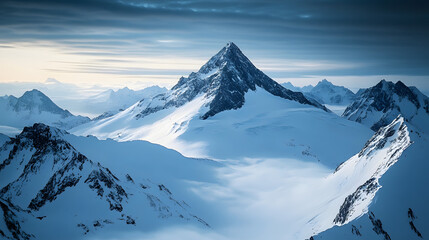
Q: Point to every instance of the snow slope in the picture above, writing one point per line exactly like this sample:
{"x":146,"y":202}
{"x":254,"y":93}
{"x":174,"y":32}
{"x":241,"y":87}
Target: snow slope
{"x":292,"y":199}
{"x":399,"y":210}
{"x":266,"y":126}
{"x":43,"y":173}
{"x":377,"y":106}
{"x":3,"y":138}
{"x":33,"y":106}
{"x":230,"y":109}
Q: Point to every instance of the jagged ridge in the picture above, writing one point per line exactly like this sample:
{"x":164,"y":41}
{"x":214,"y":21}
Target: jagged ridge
{"x":224,"y":81}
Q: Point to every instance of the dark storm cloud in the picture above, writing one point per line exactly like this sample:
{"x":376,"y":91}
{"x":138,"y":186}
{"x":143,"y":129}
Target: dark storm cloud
{"x":379,"y":37}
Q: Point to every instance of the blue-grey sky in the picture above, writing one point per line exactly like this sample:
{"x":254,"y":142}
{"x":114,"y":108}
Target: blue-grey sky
{"x":126,"y":42}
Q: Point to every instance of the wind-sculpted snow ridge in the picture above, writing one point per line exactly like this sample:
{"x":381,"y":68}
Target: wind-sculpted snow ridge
{"x":391,"y":140}
{"x":377,"y":106}
{"x":223,"y":81}
{"x":42,"y":172}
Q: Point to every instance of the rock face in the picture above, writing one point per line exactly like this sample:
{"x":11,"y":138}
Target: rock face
{"x":223,"y":81}
{"x":40,"y":170}
{"x":34,"y":106}
{"x":377,"y":106}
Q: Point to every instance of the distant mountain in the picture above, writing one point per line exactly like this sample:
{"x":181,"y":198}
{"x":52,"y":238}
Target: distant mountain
{"x":325,"y":92}
{"x":226,"y":110}
{"x":291,"y":87}
{"x":34,"y":106}
{"x":111,"y":101}
{"x":57,"y":187}
{"x":377,"y":106}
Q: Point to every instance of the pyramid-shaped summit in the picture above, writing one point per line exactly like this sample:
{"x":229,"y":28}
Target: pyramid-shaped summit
{"x":223,"y":80}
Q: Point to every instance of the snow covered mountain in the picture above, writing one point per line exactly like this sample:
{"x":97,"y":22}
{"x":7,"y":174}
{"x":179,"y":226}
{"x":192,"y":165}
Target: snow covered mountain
{"x":222,"y":83}
{"x":227,"y":110}
{"x":45,"y":184}
{"x":377,"y":106}
{"x":327,"y":93}
{"x":34,"y":106}
{"x":399,"y":209}
{"x":111,"y":102}
{"x":291,"y":87}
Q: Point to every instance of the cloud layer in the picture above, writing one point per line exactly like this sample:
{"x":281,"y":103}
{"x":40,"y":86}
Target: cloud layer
{"x":111,"y":37}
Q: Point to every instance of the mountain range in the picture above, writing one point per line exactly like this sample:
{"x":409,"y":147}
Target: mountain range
{"x":230,"y":151}
{"x":325,"y":93}
{"x":229,"y":99}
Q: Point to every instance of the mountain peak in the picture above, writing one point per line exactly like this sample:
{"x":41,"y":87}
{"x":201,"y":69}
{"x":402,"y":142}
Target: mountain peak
{"x":379,"y":105}
{"x":324,"y":81}
{"x":223,"y":81}
{"x":33,"y":93}
{"x":231,"y":45}
{"x":36,"y":101}
{"x":227,"y":57}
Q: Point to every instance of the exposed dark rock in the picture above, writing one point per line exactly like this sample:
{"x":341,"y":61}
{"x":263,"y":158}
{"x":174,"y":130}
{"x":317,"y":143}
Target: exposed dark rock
{"x":129,"y":178}
{"x":84,"y":228}
{"x":130,"y":221}
{"x":59,"y":181}
{"x":411,"y":214}
{"x":115,"y":191}
{"x":163,"y":188}
{"x":348,"y":206}
{"x":12,"y":224}
{"x":356,"y":231}
{"x":378,"y":226}
{"x":412,"y":217}
{"x":415,"y":229}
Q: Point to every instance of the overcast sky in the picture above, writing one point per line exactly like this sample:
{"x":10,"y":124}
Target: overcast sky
{"x":139,"y":43}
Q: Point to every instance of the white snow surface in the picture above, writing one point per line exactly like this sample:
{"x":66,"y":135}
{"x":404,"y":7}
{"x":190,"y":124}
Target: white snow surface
{"x":266,"y":126}
{"x":403,"y":188}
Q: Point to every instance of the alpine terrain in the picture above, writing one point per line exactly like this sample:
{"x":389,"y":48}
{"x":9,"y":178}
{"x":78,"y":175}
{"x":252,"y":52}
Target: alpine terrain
{"x":46,"y":183}
{"x":226,"y":153}
{"x":230,"y":100}
{"x":379,"y":105}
